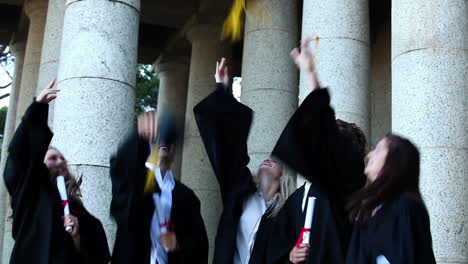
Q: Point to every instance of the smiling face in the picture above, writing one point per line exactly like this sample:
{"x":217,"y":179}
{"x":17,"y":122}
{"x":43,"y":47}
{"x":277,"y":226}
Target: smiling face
{"x":54,"y":160}
{"x":376,"y":160}
{"x":166,"y":154}
{"x":270,"y":168}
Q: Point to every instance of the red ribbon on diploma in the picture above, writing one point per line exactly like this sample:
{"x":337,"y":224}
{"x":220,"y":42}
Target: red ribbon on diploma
{"x":299,"y":240}
{"x":64,"y":203}
{"x":169,"y":225}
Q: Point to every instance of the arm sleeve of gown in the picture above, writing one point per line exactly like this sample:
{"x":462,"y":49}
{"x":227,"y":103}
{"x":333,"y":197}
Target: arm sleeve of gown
{"x":312,"y":145}
{"x":224,"y":125}
{"x":27,"y":151}
{"x":193,"y":243}
{"x":415,"y":240}
{"x":94,"y":248}
{"x":127,"y":183}
{"x":284,"y":237}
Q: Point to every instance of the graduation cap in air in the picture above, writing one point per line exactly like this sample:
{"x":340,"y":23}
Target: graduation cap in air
{"x":168,"y":131}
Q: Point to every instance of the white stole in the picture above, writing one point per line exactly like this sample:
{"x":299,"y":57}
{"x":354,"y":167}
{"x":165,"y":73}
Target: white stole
{"x":163,"y":206}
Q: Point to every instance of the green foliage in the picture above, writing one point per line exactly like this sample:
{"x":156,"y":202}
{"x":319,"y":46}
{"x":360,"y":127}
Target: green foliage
{"x":147,"y":88}
{"x":3,"y":114}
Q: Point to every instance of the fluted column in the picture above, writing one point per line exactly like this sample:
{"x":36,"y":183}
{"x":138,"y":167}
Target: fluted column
{"x":36,"y":10}
{"x":6,"y":240}
{"x":269,"y":76}
{"x":196,"y":167}
{"x":429,"y":105}
{"x":51,"y":48}
{"x":340,"y":33}
{"x":173,"y":72}
{"x":95,"y":107}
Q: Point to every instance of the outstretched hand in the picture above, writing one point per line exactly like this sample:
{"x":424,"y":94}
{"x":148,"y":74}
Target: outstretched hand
{"x":48,"y":94}
{"x":305,"y":62}
{"x":302,"y":56}
{"x":148,"y":126}
{"x":221,"y":73}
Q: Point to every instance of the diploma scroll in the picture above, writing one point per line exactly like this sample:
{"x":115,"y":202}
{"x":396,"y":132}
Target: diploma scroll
{"x":163,"y":224}
{"x":62,"y":189}
{"x":304,"y":236}
{"x":160,"y":213}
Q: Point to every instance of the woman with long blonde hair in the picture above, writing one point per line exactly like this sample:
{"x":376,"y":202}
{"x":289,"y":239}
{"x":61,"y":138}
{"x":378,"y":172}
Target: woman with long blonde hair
{"x":250,"y":203}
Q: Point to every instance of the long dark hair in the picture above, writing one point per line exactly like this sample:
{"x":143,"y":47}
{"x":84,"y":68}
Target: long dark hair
{"x":73,"y":184}
{"x":399,"y":175}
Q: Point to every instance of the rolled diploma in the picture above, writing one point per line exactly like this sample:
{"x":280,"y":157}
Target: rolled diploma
{"x":308,"y":219}
{"x":159,"y":212}
{"x":63,"y":195}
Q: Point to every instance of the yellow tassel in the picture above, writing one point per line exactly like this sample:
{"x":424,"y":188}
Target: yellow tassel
{"x":234,"y":24}
{"x":150,"y":184}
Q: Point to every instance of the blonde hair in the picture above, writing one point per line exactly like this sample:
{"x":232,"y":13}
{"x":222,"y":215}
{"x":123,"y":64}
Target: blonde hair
{"x":286,"y":188}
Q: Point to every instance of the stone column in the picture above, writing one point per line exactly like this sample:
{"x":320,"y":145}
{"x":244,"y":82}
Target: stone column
{"x":36,"y":10}
{"x":269,"y":76}
{"x":429,"y":105}
{"x":18,"y":50}
{"x":340,"y":32}
{"x":51,"y":48}
{"x":196,"y":168}
{"x":173,"y":83}
{"x":95,"y":108}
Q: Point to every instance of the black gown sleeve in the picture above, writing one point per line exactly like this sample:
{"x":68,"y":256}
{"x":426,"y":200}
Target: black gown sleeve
{"x":286,"y":227}
{"x":312,"y":145}
{"x":224,"y":125}
{"x":126,"y":176}
{"x":93,"y":240}
{"x":415,"y":241}
{"x":25,"y":171}
{"x":192,"y":238}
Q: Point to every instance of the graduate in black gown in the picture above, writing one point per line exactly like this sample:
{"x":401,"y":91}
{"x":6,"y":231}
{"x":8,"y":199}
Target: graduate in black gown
{"x":390,"y":223}
{"x":138,"y":181}
{"x":250,"y":203}
{"x":343,"y":156}
{"x":38,"y":223}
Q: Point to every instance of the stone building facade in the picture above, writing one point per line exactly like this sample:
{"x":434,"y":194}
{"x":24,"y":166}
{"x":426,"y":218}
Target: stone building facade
{"x":391,"y":65}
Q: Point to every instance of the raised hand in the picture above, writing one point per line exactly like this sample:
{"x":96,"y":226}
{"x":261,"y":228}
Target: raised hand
{"x":48,"y":94}
{"x":304,"y":61}
{"x":148,"y":126}
{"x":221,"y":73}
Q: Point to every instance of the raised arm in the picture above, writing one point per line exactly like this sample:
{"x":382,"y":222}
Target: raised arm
{"x":29,"y":146}
{"x":127,"y":168}
{"x":311,"y":142}
{"x":224,"y":125}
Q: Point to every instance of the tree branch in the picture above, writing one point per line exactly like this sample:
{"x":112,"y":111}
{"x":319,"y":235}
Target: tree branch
{"x":6,"y":86}
{"x":5,"y":95}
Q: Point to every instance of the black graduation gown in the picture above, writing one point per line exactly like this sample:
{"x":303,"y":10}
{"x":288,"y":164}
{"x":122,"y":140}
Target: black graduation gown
{"x":399,"y":230}
{"x":312,"y":145}
{"x":133,"y":211}
{"x":224,"y":125}
{"x":324,"y":238}
{"x":37,"y":225}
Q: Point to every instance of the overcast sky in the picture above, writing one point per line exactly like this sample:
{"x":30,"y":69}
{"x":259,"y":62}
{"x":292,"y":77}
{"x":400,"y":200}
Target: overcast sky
{"x":4,"y":80}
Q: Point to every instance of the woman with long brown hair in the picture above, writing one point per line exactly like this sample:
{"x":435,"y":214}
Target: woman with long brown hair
{"x":387,"y":219}
{"x":38,"y":222}
{"x":390,"y":217}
